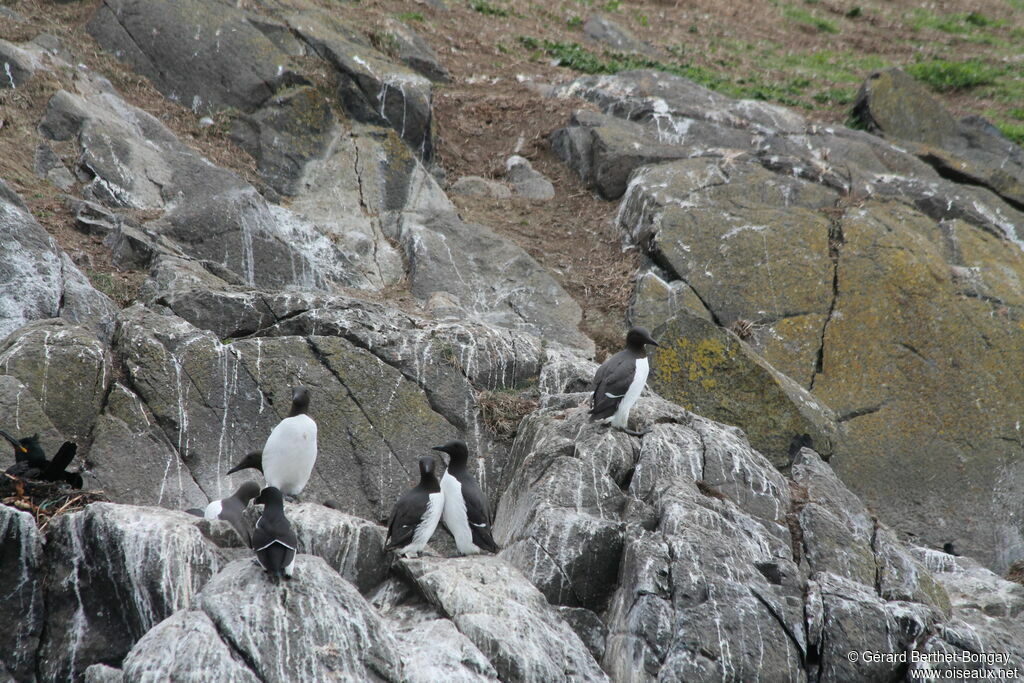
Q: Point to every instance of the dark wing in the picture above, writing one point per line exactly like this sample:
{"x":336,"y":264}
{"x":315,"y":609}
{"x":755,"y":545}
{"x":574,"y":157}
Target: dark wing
{"x":24,"y":469}
{"x":232,"y":512}
{"x":269,"y":531}
{"x":611,"y":383}
{"x":65,"y":454}
{"x":477,"y":515}
{"x":404,"y":519}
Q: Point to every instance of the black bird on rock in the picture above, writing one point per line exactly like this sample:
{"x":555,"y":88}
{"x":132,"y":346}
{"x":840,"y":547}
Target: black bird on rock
{"x":30,"y":461}
{"x":416,"y":513}
{"x":232,"y":509}
{"x":620,"y":380}
{"x":273,"y":539}
{"x":466,"y":511}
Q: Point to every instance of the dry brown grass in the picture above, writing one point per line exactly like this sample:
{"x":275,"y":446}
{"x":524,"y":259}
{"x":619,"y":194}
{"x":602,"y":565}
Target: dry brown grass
{"x":487,"y":114}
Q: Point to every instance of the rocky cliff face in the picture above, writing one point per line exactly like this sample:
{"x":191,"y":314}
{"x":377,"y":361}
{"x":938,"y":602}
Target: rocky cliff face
{"x":862,"y":276}
{"x":803,"y":280}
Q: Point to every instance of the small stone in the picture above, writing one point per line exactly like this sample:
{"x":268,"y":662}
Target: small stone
{"x":475,"y":186}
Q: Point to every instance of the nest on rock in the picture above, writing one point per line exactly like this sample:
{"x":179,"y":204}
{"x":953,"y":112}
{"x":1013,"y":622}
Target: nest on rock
{"x":44,"y":499}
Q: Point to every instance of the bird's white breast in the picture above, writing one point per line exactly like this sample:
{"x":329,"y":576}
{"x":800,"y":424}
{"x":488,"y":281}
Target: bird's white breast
{"x":455,"y":517}
{"x":290,"y":453}
{"x":636,"y":387}
{"x":428,"y":523}
{"x":213,"y":510}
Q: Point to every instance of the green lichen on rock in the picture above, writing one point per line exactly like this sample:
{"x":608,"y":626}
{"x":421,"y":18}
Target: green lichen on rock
{"x":712,"y":372}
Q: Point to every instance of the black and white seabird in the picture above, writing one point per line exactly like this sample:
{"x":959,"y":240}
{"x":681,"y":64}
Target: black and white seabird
{"x":416,"y":513}
{"x":620,"y":380}
{"x":273,"y":539}
{"x":289,"y":454}
{"x":466,"y":513}
{"x":30,"y":461}
{"x":232,"y":509}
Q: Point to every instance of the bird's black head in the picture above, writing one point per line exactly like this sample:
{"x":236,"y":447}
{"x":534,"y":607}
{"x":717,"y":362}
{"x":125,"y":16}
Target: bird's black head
{"x":252,"y":460}
{"x":427,"y":466}
{"x":18,"y":446}
{"x":26,"y":448}
{"x":457,"y":451}
{"x":300,"y":401}
{"x":247,"y":491}
{"x":637,"y":337}
{"x":270,"y":496}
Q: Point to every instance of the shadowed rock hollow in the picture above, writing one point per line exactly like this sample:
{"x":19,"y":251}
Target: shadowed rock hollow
{"x":802,"y":280}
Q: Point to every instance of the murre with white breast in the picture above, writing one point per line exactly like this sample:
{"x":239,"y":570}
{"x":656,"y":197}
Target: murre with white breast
{"x":466,"y":513}
{"x":620,"y":380}
{"x":416,"y":513}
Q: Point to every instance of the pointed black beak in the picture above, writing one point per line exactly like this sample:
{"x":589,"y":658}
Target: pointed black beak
{"x":14,"y":442}
{"x":650,"y":341}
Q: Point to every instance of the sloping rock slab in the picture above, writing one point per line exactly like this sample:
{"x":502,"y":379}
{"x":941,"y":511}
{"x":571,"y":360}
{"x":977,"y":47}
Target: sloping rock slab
{"x":21,"y":585}
{"x":116,"y":571}
{"x":205,"y":55}
{"x":38,"y":280}
{"x":506,"y":617}
{"x":971,"y":150}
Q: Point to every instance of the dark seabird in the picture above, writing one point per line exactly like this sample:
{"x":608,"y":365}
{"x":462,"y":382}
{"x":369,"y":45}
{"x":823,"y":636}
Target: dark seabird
{"x":416,"y":513}
{"x":232,"y":509}
{"x":465,"y":506}
{"x":620,"y":380}
{"x":253,"y":460}
{"x":273,"y":539}
{"x":290,"y":450}
{"x":30,"y":462}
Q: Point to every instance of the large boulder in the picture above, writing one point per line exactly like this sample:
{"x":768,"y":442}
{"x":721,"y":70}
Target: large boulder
{"x":710,"y":371}
{"x":38,"y":280}
{"x":66,"y":367}
{"x":215,"y":402}
{"x":492,"y":278}
{"x":206,"y":55}
{"x":135,"y":161}
{"x":970,"y":150}
{"x":132,"y":460}
{"x":498,"y":609}
{"x":21,"y":584}
{"x":115,"y":571}
{"x":847,"y":263}
{"x":241,"y":627}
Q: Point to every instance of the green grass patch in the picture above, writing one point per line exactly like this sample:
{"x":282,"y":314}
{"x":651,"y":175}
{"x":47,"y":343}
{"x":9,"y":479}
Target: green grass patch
{"x":1013,"y":131}
{"x":574,"y":22}
{"x":835,"y":96}
{"x":578,"y":58}
{"x":956,"y":23}
{"x":410,"y":17}
{"x":804,"y":17}
{"x":946,"y":76}
{"x":484,"y":7}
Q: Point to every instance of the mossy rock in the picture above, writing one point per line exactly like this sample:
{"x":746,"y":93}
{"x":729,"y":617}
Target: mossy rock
{"x":710,"y":371}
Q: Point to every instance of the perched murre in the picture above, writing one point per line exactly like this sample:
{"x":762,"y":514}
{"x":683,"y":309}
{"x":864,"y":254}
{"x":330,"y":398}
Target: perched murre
{"x":30,"y":461}
{"x":416,"y":513}
{"x":290,"y":450}
{"x":232,"y":509}
{"x":466,"y":513}
{"x":620,"y":380}
{"x":273,"y":539}
{"x":252,"y":460}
